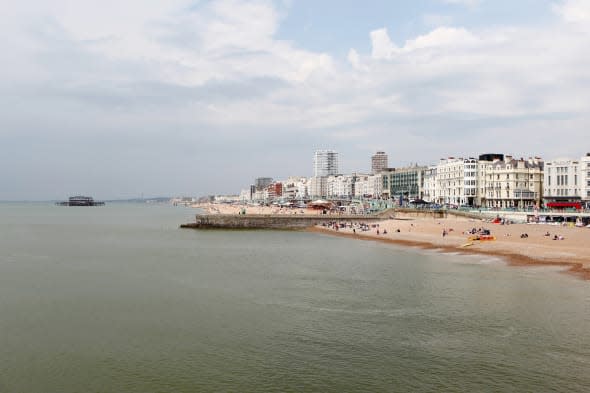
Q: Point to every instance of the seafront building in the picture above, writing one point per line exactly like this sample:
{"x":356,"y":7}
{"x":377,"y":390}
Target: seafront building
{"x":325,"y":163}
{"x":585,"y":174}
{"x":510,"y":183}
{"x":403,"y":184}
{"x":295,"y":187}
{"x":430,"y":189}
{"x":491,"y":181}
{"x":340,"y":186}
{"x":456,"y":181}
{"x":368,"y":186}
{"x":262,"y":182}
{"x":378,"y":162}
{"x":567,"y":182}
{"x":318,"y":187}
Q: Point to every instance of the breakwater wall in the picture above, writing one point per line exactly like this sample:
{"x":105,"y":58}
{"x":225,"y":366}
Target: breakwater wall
{"x":273,"y":221}
{"x":439,"y":213}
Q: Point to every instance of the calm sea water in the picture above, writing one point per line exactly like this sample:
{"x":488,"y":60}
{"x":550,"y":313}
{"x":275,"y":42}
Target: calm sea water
{"x":118,"y":299}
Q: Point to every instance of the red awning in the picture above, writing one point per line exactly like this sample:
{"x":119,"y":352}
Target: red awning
{"x":576,"y":205}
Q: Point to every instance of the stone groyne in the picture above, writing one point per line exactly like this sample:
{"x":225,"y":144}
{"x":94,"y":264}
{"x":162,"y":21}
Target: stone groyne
{"x":273,"y":221}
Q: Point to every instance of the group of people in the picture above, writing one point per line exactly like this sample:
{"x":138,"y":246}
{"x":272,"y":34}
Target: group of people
{"x":480,"y":231}
{"x":336,"y":225}
{"x":555,"y":237}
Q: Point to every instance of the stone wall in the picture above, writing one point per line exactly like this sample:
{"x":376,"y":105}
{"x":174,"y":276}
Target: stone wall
{"x":252,"y":221}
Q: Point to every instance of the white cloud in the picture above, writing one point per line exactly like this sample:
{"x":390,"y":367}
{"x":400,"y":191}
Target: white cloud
{"x":467,"y":3}
{"x":575,"y":12}
{"x":383,"y":47}
{"x":205,"y":74}
{"x":442,"y":36}
{"x":355,"y":60}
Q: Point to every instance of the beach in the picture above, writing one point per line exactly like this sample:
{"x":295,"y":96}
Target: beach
{"x":518,"y":244}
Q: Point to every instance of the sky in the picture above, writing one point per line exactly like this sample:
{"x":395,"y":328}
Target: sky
{"x":182,"y":97}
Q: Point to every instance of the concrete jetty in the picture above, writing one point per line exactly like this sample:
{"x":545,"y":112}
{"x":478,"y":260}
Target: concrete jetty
{"x":273,"y":221}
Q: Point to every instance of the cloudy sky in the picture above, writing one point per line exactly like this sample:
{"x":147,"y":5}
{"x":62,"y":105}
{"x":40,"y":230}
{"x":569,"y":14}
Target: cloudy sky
{"x":183,"y":97}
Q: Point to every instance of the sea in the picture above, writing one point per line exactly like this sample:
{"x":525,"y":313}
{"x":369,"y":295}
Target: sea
{"x":118,"y":298}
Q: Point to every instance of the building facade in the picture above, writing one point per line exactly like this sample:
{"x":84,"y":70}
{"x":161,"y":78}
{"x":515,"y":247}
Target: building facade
{"x":404,"y":184}
{"x":430,"y":189}
{"x":262,"y":182}
{"x":368,"y":186}
{"x":511,"y":183}
{"x":456,"y":181}
{"x":378,"y":162}
{"x":585,"y":176}
{"x":318,"y":187}
{"x":340,"y":186}
{"x":567,"y":181}
{"x":325,"y":163}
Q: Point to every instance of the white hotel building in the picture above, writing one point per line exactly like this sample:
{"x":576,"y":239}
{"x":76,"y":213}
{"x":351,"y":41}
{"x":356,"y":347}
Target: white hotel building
{"x":456,"y":181}
{"x":567,"y":181}
{"x":490,"y":181}
{"x":510,"y":183}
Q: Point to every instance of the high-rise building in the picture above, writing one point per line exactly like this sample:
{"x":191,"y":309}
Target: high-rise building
{"x":262,"y":182}
{"x":378,"y":162}
{"x":325,"y":163}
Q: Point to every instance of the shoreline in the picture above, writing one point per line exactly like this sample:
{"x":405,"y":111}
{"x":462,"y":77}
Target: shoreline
{"x":573,"y":268}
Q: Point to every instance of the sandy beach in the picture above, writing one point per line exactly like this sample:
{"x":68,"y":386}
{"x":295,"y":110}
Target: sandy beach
{"x":519,"y":244}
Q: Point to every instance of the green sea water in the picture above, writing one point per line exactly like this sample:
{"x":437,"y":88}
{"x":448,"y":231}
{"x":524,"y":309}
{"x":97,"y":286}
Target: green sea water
{"x":119,"y":299}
